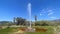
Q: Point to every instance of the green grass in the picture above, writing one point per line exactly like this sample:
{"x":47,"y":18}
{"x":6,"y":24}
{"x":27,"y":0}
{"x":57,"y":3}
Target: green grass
{"x":6,"y":31}
{"x":9,"y":30}
{"x":49,"y":31}
{"x":39,"y":33}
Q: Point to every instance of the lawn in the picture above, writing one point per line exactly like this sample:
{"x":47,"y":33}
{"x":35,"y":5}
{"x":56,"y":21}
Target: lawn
{"x":10,"y":30}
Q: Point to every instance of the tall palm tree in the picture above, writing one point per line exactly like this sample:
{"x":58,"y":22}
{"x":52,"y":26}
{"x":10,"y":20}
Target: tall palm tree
{"x":35,"y":19}
{"x":14,"y":20}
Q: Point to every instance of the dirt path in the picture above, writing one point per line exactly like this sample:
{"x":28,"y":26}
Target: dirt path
{"x":57,"y":30}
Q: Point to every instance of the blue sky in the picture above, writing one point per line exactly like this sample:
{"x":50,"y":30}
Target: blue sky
{"x":44,"y":9}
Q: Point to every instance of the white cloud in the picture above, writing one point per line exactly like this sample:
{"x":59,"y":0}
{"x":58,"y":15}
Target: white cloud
{"x":41,"y":14}
{"x":47,"y":12}
{"x":43,"y":11}
{"x":50,"y":12}
{"x":53,"y":17}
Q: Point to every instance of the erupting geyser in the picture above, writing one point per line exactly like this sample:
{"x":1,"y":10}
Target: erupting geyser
{"x":30,"y":29}
{"x":29,"y":11}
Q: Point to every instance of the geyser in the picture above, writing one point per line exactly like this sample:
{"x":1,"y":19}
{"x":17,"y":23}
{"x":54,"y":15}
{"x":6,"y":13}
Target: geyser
{"x":29,"y":12}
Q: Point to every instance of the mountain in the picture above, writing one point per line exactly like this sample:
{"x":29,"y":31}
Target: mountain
{"x":55,"y":22}
{"x":5,"y":22}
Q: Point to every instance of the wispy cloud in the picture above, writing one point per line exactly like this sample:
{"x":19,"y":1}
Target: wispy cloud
{"x":53,"y":17}
{"x":41,"y":14}
{"x":50,"y":12}
{"x":46,"y":12}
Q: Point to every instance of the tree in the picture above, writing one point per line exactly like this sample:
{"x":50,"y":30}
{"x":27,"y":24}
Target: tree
{"x":41,"y":23}
{"x":14,"y":21}
{"x":44,"y":23}
{"x":35,"y":20}
{"x":37,"y":24}
{"x":20,"y":21}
